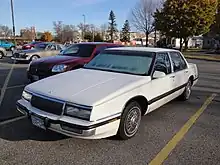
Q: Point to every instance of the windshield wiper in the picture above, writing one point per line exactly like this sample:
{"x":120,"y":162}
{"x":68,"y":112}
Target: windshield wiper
{"x":124,"y":72}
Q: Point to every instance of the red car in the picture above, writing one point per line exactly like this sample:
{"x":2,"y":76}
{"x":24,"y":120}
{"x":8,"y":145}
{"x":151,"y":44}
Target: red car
{"x":30,"y":45}
{"x":71,"y":58}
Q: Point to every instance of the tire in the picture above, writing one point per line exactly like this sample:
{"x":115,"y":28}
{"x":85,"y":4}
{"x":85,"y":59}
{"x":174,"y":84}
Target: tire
{"x":1,"y":54}
{"x":130,"y":116}
{"x":187,"y":92}
{"x":12,"y":48}
{"x":34,"y":57}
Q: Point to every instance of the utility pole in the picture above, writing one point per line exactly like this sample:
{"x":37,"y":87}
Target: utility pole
{"x":84,"y":26}
{"x":13,"y":21}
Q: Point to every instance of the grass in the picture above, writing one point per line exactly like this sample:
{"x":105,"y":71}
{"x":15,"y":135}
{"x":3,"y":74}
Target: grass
{"x":202,"y":56}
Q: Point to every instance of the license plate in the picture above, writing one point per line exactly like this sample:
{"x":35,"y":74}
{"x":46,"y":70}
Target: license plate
{"x":35,"y":78}
{"x":38,"y":122}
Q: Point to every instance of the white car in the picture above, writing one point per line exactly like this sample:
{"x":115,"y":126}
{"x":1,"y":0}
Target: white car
{"x":109,"y":95}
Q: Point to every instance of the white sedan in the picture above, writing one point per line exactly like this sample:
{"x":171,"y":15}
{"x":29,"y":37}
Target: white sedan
{"x":109,"y":95}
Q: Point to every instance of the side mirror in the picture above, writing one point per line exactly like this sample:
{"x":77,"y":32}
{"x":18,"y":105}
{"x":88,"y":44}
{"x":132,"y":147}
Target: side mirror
{"x":158,"y":74}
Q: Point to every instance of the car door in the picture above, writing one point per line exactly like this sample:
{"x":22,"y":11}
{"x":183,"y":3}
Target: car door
{"x":49,"y":50}
{"x":181,"y":71}
{"x":161,"y":88}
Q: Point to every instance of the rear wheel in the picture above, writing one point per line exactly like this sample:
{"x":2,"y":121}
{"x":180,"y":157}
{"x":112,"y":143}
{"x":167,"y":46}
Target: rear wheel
{"x":187,"y":92}
{"x":130,"y":121}
{"x":1,"y":54}
{"x":12,"y":48}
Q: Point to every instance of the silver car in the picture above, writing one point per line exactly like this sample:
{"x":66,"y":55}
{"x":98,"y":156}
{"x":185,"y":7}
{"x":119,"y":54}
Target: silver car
{"x":44,"y":49}
{"x":3,"y":52}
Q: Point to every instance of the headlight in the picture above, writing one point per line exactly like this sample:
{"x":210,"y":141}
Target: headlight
{"x":59,"y":68}
{"x":27,"y":96}
{"x":77,"y":112}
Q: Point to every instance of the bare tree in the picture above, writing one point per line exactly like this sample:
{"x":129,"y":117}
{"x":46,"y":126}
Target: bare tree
{"x":104,"y":30}
{"x":142,"y":16}
{"x":5,"y":31}
{"x":58,"y":27}
{"x":69,"y":33}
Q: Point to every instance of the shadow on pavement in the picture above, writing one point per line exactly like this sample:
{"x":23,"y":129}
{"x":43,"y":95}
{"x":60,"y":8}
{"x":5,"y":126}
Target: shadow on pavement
{"x":24,"y":130}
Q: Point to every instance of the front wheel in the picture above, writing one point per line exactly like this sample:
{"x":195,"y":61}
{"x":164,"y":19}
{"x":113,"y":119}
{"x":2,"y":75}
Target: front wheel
{"x":34,"y":57}
{"x":130,"y":121}
{"x":187,"y":92}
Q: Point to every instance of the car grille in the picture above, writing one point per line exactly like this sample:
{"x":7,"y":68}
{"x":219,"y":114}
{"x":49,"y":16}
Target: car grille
{"x":47,"y":105}
{"x":19,"y":55}
{"x":40,"y":70}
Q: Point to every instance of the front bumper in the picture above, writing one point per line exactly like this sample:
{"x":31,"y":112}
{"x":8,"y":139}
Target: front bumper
{"x":95,"y":131}
{"x":20,"y":59}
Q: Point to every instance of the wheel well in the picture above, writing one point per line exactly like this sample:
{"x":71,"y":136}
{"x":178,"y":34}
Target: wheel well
{"x":142,"y":101}
{"x":191,"y":78}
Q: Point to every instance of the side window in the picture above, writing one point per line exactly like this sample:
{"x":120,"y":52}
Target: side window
{"x":163,"y":63}
{"x":99,"y":49}
{"x":178,"y":62}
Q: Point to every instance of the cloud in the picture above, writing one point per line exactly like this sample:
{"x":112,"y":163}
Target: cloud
{"x":77,"y":3}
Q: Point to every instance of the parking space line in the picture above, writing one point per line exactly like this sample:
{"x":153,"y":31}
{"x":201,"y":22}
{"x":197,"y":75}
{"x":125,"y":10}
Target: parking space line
{"x":15,"y":86}
{"x":12,"y":120}
{"x":6,"y":84}
{"x":164,"y":153}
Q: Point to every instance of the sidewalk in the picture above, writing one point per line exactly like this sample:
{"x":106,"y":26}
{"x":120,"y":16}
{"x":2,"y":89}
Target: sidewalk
{"x":202,"y":56}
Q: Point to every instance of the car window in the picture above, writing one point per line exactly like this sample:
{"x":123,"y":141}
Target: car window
{"x":163,"y":63}
{"x":178,"y":62}
{"x":138,"y":63}
{"x":59,"y":47}
{"x":99,"y":49}
{"x":79,"y":50}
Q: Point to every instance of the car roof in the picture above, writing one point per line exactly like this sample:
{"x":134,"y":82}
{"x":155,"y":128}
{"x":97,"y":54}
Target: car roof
{"x":143,"y":49}
{"x":97,"y":43}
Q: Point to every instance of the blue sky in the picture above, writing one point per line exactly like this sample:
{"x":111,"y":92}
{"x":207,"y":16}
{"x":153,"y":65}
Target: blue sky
{"x":41,"y":13}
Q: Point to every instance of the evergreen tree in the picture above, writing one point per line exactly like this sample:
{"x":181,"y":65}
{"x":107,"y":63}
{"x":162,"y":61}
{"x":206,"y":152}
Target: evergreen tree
{"x":112,"y":29}
{"x":125,"y":35}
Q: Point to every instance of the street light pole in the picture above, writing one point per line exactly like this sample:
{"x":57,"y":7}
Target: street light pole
{"x":84,"y":25}
{"x":13,"y":21}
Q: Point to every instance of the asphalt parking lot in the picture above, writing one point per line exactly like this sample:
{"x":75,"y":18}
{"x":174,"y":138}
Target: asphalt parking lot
{"x":22,"y":143}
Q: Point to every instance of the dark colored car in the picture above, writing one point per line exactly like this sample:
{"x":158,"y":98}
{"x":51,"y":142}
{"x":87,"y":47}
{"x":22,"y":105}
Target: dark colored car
{"x":30,"y":45}
{"x":71,"y":58}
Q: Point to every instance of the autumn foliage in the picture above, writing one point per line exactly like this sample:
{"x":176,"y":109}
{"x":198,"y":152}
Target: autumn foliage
{"x":47,"y":37}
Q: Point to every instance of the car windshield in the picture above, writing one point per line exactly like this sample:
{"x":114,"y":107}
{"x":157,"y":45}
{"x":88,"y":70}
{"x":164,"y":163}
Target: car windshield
{"x":132,"y":62}
{"x":41,"y":46}
{"x":79,"y":50}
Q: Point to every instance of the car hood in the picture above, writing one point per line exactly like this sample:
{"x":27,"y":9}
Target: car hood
{"x":87,"y":87}
{"x":31,"y":51}
{"x":55,"y":59}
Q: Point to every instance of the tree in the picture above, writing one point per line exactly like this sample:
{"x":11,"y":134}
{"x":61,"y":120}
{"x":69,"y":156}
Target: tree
{"x":182,"y":19}
{"x":47,"y":37}
{"x":58,"y":27}
{"x":125,"y":35}
{"x":5,"y":31}
{"x":103,"y":30}
{"x":98,"y":38}
{"x":112,"y":29}
{"x":142,"y":17}
{"x":88,"y":36}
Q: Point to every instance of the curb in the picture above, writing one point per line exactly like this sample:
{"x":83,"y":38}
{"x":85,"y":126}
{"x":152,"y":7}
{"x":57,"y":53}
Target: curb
{"x":201,"y":58}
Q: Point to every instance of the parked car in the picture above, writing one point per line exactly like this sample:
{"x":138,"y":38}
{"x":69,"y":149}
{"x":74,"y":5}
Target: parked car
{"x":73,"y":57}
{"x":109,"y":95}
{"x":30,"y":45}
{"x":40,"y":50}
{"x":7,"y":45}
{"x":3,"y":52}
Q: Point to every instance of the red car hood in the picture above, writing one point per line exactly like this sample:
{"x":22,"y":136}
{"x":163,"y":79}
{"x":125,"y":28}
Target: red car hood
{"x":56,"y":60}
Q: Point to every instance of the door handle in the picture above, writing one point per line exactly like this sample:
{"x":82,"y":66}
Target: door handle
{"x":172,"y":76}
{"x":187,"y":71}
